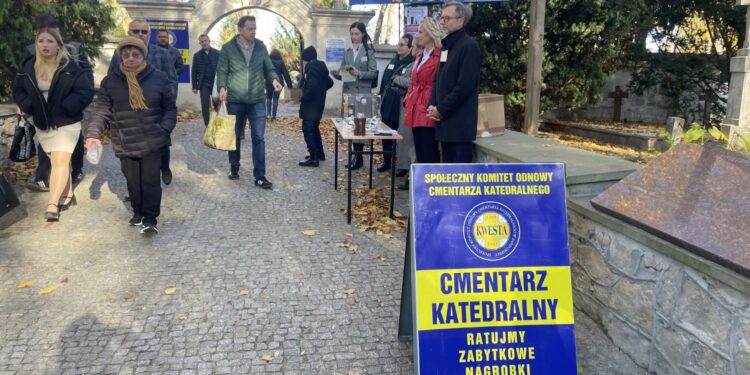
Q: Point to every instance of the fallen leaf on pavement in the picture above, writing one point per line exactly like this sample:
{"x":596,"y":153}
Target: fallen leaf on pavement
{"x":267,"y":357}
{"x":128,"y":296}
{"x":244,"y":293}
{"x":285,"y":183}
{"x":349,"y":234}
{"x":64,"y":280}
{"x":351,"y":301}
{"x":49,"y":289}
{"x":25,"y":284}
{"x":170,"y":291}
{"x":183,"y":318}
{"x":397,"y":215}
{"x":349,"y":291}
{"x":309,"y":232}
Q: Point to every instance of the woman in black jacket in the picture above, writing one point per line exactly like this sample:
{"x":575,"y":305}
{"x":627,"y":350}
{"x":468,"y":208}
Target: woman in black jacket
{"x":138,"y":104}
{"x":272,"y":96}
{"x":54,"y":91}
{"x":314,"y":86}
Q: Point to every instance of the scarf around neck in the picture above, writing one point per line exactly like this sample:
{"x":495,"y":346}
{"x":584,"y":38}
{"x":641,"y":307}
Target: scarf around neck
{"x":135,"y":92}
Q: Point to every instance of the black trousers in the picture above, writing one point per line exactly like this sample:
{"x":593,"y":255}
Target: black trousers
{"x":457,"y":152}
{"x":388,"y":144}
{"x":311,"y":132}
{"x":166,"y":155}
{"x":144,"y":185}
{"x":205,"y":94}
{"x":45,"y":166}
{"x":425,"y":145}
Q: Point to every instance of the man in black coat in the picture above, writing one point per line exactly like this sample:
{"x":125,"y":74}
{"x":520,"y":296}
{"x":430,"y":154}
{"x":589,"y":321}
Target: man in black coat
{"x":315,"y":83}
{"x":203,"y":73}
{"x":455,"y":93}
{"x":162,"y":40}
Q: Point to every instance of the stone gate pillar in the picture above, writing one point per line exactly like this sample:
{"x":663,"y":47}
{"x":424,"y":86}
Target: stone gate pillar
{"x":334,"y":23}
{"x":738,"y":104}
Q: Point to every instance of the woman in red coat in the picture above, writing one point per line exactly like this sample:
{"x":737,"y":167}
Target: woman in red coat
{"x":418,"y":96}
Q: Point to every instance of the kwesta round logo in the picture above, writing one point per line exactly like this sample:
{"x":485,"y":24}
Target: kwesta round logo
{"x":491,"y":231}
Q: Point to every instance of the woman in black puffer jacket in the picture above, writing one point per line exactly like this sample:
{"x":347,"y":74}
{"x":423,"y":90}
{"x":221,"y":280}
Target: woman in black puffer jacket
{"x":53,"y":89}
{"x":137,"y":103}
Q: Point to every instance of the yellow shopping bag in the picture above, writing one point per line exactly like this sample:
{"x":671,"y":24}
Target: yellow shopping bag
{"x":220,"y":131}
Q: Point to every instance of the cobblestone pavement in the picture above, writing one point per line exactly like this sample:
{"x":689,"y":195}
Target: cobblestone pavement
{"x":248,"y":283}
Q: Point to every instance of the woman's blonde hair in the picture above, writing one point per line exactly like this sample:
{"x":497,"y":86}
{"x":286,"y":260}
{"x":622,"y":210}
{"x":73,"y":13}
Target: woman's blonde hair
{"x":45,"y":71}
{"x":432,"y":28}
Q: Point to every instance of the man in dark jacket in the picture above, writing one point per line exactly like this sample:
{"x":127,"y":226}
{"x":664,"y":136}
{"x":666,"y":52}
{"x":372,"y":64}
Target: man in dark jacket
{"x":244,"y":68}
{"x":203,"y":73}
{"x":315,"y":83}
{"x":162,"y":40}
{"x":455,"y":93}
{"x":80,"y":58}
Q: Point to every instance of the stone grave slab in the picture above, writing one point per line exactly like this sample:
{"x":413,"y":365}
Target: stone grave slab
{"x":586,"y":173}
{"x":693,"y":196}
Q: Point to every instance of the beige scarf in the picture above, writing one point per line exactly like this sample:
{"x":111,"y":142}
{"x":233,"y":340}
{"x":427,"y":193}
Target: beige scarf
{"x":135,"y":92}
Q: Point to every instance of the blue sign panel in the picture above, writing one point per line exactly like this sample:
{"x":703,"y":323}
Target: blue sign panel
{"x":179,"y":38}
{"x":491,"y":270}
{"x":335,"y":49}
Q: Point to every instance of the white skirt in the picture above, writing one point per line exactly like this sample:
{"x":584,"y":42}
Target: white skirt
{"x":62,"y":139}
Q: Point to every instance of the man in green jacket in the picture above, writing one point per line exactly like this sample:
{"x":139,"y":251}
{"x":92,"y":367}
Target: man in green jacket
{"x":241,"y":76}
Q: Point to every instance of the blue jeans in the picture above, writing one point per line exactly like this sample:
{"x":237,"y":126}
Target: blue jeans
{"x":256,"y":114}
{"x":272,"y":101}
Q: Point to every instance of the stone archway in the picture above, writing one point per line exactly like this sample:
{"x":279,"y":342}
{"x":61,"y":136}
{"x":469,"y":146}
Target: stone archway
{"x":314,"y":24}
{"x":296,"y":12}
{"x":285,"y":95}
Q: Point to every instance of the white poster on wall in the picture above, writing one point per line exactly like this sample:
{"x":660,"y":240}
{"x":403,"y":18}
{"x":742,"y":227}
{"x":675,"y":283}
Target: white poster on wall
{"x":414,"y":16}
{"x":335,"y":48}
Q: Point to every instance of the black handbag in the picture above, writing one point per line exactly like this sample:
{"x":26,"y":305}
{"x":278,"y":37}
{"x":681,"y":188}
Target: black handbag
{"x":390,"y":106}
{"x":8,"y":197}
{"x":22,"y":148}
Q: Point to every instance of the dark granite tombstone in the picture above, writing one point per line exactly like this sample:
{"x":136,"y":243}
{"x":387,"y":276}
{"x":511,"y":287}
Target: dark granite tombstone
{"x":697,"y":197}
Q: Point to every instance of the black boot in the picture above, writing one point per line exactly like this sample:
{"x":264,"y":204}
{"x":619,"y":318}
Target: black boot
{"x":356,"y":162}
{"x":386,"y":166}
{"x":308,"y":162}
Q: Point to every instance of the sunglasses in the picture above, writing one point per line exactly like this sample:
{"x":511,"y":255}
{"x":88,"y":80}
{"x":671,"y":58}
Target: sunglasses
{"x":136,"y":31}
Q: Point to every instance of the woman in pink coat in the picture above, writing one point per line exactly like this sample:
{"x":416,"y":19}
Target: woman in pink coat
{"x":418,"y":96}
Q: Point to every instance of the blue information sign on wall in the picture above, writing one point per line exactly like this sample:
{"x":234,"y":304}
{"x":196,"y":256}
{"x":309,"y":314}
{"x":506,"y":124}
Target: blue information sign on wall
{"x":491,"y":270}
{"x":179,"y":38}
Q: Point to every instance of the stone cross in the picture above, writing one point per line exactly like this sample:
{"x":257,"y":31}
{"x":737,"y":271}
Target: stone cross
{"x":618,"y":95}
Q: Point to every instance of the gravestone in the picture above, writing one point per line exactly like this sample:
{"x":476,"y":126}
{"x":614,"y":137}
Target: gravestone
{"x":618,"y":95}
{"x":691,"y":196}
{"x":676,"y":128}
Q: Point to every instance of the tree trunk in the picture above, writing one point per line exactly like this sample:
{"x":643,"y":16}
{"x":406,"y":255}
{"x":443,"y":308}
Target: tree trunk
{"x":534,"y":67}
{"x":379,"y":23}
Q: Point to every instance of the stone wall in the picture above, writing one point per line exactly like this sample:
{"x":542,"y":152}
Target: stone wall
{"x":651,"y":107}
{"x":670,"y":318}
{"x":7,"y":128}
